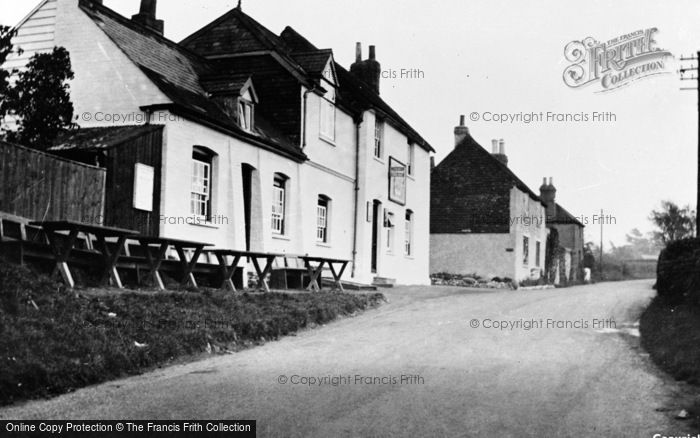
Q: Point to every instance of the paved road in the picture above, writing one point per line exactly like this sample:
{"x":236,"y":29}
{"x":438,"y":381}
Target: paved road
{"x":584,"y":381}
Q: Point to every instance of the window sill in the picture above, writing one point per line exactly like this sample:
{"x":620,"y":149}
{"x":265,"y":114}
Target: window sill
{"x":409,"y":257}
{"x":412,"y":177}
{"x":204,"y":225}
{"x":323,"y":245}
{"x":378,"y":160}
{"x":281,"y":237}
{"x":327,"y":140}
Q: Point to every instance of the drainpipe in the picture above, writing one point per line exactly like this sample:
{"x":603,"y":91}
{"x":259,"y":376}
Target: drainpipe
{"x":303,"y":115}
{"x":357,"y":193}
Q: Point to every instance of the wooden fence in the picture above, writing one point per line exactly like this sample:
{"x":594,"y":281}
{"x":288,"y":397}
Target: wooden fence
{"x":41,"y":186}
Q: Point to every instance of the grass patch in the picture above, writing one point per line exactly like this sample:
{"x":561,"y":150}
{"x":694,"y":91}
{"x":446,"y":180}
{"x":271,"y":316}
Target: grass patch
{"x":53,"y":341}
{"x":670,"y":333}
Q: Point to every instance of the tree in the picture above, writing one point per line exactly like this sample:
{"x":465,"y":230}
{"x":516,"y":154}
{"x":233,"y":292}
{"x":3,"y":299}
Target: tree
{"x":39,"y":100}
{"x":6,"y":35}
{"x":673,"y":223}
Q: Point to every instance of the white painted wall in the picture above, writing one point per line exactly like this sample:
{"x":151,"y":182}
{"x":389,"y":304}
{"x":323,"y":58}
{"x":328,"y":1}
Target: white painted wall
{"x":485,"y":255}
{"x":527,"y":219}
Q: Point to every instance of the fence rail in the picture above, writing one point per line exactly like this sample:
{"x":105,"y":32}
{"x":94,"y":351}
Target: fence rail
{"x":41,"y":186}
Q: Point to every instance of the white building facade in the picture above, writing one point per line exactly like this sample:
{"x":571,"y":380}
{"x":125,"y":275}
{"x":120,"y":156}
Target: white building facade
{"x":335,"y":178}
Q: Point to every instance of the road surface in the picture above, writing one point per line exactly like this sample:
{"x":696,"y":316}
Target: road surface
{"x":428,"y":363}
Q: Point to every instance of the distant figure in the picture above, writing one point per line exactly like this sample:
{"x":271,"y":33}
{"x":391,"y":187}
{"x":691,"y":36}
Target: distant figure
{"x":586,"y":275}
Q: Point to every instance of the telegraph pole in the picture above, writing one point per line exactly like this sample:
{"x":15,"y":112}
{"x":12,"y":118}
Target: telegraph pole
{"x":694,"y":76}
{"x":601,"y":244}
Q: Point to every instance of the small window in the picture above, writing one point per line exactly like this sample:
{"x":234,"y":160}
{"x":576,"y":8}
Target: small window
{"x":526,"y":250}
{"x":200,"y":197}
{"x":537,"y":253}
{"x":322,"y":216}
{"x":279,"y":197}
{"x":389,"y":224}
{"x":411,"y":158}
{"x":408,"y":233}
{"x":245,"y":115}
{"x":378,"y":138}
{"x":327,"y":119}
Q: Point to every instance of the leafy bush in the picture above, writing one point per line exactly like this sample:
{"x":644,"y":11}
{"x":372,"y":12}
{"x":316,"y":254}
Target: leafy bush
{"x":678,"y":278}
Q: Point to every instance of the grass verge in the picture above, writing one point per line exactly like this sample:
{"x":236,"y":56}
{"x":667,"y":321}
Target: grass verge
{"x":670,"y":333}
{"x":53,"y":341}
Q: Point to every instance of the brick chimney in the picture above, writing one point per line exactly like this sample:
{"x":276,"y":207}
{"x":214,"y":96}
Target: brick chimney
{"x":500,"y":154}
{"x":147,"y":16}
{"x":548,"y":194}
{"x":461,"y":131}
{"x":368,"y":71}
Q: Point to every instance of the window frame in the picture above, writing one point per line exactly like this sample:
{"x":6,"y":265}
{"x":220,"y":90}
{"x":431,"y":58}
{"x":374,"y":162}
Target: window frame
{"x":410,"y":161}
{"x":526,"y":250}
{"x":278,"y":216}
{"x":323,"y":203}
{"x":327,"y":119}
{"x":408,"y":234}
{"x":390,"y":231}
{"x":246,"y":120}
{"x":379,"y":135}
{"x":201,"y":192}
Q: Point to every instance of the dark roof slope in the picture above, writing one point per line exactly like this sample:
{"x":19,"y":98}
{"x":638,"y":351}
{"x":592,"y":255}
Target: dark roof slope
{"x":100,"y":137}
{"x":470,"y":192}
{"x":313,"y":62}
{"x":149,"y":49}
{"x":233,"y":32}
{"x":295,"y":41}
{"x":562,"y":216}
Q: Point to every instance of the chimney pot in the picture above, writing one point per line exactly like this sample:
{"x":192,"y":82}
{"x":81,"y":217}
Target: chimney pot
{"x":551,"y":181}
{"x":461,"y":131}
{"x":502,"y":147}
{"x":358,"y":52}
{"x":372,"y":53}
{"x":494,"y":146}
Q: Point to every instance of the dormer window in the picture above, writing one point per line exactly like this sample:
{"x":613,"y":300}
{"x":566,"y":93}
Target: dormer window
{"x":245,"y":114}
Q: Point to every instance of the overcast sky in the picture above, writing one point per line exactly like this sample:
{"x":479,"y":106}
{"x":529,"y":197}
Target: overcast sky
{"x":508,"y":57}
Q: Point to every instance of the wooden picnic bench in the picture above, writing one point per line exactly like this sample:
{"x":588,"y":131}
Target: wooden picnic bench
{"x":228,"y":269}
{"x":315,"y":271}
{"x":62,"y":245}
{"x":156,"y":259}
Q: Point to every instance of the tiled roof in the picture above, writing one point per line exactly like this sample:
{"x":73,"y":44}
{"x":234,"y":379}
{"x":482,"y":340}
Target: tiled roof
{"x":235,"y":33}
{"x":225,"y":83}
{"x":561,"y":216}
{"x":181,"y":75}
{"x":100,"y":137}
{"x":295,"y":41}
{"x":313,"y":62}
{"x":470,"y":192}
{"x":149,"y":49}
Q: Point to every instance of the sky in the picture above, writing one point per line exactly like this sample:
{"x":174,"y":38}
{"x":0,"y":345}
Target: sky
{"x":497,"y":57}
